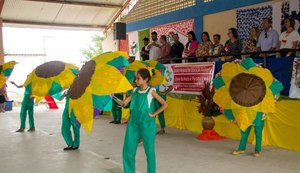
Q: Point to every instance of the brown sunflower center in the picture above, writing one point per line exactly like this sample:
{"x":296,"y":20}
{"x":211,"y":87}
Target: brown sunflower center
{"x":1,"y":68}
{"x":247,"y":89}
{"x":50,"y":69}
{"x":83,"y":80}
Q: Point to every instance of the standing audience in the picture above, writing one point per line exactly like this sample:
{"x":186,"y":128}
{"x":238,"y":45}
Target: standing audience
{"x":288,"y":39}
{"x":268,"y":38}
{"x":176,"y":50}
{"x":144,"y":52}
{"x":165,"y":50}
{"x":250,"y":44}
{"x":154,"y":47}
{"x":233,"y":44}
{"x":190,"y":47}
{"x":216,"y":48}
{"x":204,"y":47}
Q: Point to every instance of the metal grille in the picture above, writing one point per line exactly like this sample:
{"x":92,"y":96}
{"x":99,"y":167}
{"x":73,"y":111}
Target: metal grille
{"x":150,"y":8}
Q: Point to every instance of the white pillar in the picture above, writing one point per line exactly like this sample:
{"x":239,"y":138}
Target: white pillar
{"x":1,"y":44}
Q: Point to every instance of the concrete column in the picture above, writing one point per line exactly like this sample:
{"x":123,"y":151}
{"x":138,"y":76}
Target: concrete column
{"x":1,"y":44}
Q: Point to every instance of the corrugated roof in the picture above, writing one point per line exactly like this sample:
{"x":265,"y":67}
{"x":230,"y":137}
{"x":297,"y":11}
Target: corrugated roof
{"x":82,"y":14}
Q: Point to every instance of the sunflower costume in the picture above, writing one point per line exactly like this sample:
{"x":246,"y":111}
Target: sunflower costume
{"x":157,"y":77}
{"x":50,"y":78}
{"x":96,"y":81}
{"x":246,"y":93}
{"x":155,"y":64}
{"x":5,"y":71}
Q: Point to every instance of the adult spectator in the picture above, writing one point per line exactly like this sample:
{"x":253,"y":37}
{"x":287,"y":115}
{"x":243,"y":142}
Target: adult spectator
{"x":250,"y":44}
{"x":176,"y":49}
{"x":190,"y":47}
{"x":203,"y":47}
{"x":288,"y":39}
{"x":268,"y":38}
{"x":154,"y":47}
{"x":233,"y":45}
{"x":144,"y":52}
{"x":165,"y":50}
{"x":217,"y":47}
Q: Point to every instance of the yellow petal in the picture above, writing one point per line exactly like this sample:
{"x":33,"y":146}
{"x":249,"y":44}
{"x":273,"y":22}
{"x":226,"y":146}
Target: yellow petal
{"x":108,"y":80}
{"x":157,"y":79}
{"x":40,"y":86}
{"x":264,"y":74}
{"x":243,"y":118}
{"x":38,"y":98}
{"x":106,"y":57}
{"x":222,"y":98}
{"x":83,"y":110}
{"x":229,"y":70}
{"x":268,"y":103}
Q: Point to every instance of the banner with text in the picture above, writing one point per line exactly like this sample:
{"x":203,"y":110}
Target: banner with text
{"x":189,"y":78}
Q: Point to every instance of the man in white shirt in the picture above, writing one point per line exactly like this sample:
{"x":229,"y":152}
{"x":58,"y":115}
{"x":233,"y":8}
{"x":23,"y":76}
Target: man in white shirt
{"x":154,"y":47}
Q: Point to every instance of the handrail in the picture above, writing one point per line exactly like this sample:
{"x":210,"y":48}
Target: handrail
{"x":232,"y":54}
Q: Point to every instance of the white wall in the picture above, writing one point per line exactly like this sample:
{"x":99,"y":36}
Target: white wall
{"x":109,"y":44}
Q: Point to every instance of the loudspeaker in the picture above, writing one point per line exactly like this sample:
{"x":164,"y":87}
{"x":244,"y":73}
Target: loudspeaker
{"x":119,"y":31}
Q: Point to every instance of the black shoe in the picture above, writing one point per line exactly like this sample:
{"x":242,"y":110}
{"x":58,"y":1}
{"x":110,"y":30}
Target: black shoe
{"x":31,"y":130}
{"x":112,"y":122}
{"x":75,"y":148}
{"x":117,"y":122}
{"x":20,"y":130}
{"x":68,"y":148}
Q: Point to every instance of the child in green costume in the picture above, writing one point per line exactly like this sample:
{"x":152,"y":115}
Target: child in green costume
{"x":162,"y":90}
{"x":27,"y":106}
{"x":142,"y":122}
{"x":67,"y":122}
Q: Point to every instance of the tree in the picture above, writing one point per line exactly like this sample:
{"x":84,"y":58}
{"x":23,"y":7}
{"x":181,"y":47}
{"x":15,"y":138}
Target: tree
{"x":94,"y":50}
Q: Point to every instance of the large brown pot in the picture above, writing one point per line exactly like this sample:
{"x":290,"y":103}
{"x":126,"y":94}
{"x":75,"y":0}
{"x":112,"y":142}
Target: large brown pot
{"x":208,"y":123}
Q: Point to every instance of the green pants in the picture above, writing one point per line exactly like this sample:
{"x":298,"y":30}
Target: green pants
{"x":67,"y":122}
{"x":144,"y":129}
{"x":27,"y":106}
{"x":161,"y":116}
{"x":258,"y":136}
{"x":117,"y":110}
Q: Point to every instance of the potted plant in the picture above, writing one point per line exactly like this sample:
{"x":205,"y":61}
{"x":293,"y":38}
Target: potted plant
{"x":209,"y":109}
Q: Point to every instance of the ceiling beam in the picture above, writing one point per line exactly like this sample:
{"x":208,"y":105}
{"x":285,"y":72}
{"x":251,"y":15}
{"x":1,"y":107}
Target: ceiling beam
{"x":54,"y":24}
{"x":105,"y":5}
{"x":1,"y":5}
{"x":110,"y":24}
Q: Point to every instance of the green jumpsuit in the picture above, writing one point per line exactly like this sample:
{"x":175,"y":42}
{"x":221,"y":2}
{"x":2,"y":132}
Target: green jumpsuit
{"x":140,"y":125}
{"x":67,"y":122}
{"x":258,"y":124}
{"x":157,"y":105}
{"x":27,"y":106}
{"x":116,"y":109}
